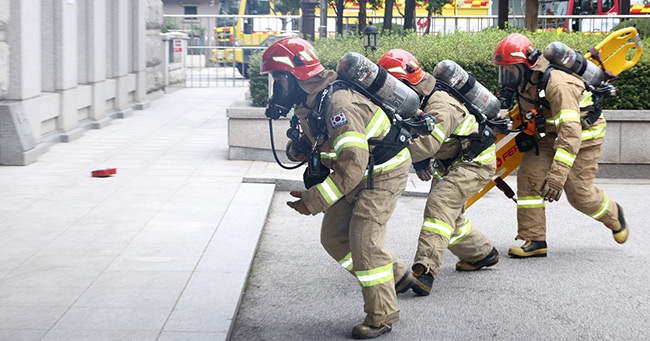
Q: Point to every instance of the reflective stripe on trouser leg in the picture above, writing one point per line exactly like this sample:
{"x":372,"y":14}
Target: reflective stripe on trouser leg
{"x":432,"y":243}
{"x":375,"y":276}
{"x":583,"y":194}
{"x":531,"y":213}
{"x":444,"y":210}
{"x":471,"y":246}
{"x":373,"y":262}
{"x":462,"y":231}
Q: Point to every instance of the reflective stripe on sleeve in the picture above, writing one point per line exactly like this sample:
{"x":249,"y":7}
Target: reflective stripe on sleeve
{"x":328,"y":190}
{"x":375,"y":276}
{"x":564,"y":156}
{"x":463,"y":231}
{"x":438,"y":226}
{"x":530,"y":202}
{"x":439,"y":133}
{"x":565,"y":115}
{"x":350,"y":139}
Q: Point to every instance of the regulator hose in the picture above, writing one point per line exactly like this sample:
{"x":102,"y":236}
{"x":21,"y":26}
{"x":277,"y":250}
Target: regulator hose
{"x":275,"y":154}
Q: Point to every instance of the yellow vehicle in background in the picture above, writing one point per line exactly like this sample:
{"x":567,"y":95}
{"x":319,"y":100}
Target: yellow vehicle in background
{"x":252,"y":24}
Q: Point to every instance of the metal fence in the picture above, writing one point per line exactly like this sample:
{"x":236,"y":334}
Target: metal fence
{"x":213,"y":60}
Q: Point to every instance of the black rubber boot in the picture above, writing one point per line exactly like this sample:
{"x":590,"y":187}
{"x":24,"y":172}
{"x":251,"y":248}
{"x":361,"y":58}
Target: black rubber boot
{"x":487,"y":261}
{"x":423,"y":281}
{"x":364,"y":331}
{"x":531,"y":248}
{"x":405,"y":283}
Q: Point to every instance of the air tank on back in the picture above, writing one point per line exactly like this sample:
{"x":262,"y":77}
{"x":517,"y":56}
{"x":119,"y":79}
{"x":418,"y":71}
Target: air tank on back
{"x":393,"y":96}
{"x":559,"y":54}
{"x":482,"y":99}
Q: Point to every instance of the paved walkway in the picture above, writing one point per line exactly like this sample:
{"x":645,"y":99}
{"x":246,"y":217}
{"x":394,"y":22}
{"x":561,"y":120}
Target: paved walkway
{"x":158,"y":251}
{"x":162,"y":249}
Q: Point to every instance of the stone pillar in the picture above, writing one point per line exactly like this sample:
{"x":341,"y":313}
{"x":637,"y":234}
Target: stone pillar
{"x":118,"y":51}
{"x":138,"y":55}
{"x":92,"y":58}
{"x":60,"y":66}
{"x":23,"y":36}
{"x":4,"y":49}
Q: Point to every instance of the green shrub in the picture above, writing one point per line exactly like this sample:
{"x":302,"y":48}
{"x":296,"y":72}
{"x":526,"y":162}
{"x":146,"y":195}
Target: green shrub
{"x":473,"y":52}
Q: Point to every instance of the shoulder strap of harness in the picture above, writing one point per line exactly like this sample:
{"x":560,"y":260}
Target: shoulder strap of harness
{"x":593,"y":111}
{"x":317,"y":123}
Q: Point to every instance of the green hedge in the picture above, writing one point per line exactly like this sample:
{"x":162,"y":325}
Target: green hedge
{"x":473,"y":52}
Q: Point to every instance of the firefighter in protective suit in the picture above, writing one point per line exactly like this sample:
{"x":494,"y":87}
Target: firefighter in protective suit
{"x":445,"y":225}
{"x":564,"y":152}
{"x":353,"y":228}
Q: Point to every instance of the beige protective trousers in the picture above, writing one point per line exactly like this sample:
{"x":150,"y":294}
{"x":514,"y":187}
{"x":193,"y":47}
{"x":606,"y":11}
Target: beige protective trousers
{"x":579,"y":189}
{"x":353,"y":232}
{"x":445,"y":225}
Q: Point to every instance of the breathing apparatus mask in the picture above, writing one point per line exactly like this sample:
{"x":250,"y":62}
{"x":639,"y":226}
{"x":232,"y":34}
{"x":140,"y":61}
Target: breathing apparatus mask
{"x":511,"y":77}
{"x":286,"y":94}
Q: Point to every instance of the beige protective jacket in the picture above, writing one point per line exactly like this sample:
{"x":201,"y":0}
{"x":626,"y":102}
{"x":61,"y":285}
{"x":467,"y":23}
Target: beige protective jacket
{"x":565,"y":94}
{"x":351,"y":120}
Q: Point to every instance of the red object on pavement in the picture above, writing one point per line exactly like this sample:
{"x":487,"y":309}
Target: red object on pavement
{"x":102,"y":173}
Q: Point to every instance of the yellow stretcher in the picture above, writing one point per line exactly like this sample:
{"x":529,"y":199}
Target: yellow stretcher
{"x":614,"y":52}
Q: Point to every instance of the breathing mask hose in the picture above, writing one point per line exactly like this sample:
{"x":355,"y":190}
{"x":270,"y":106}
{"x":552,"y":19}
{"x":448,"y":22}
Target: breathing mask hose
{"x":275,"y":154}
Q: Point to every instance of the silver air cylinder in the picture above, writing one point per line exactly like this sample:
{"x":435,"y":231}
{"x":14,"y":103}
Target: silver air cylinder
{"x":559,"y":54}
{"x":393,"y":96}
{"x":482,"y":99}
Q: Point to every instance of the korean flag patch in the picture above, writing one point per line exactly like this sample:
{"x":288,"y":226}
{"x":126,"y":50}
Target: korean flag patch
{"x":338,"y":120}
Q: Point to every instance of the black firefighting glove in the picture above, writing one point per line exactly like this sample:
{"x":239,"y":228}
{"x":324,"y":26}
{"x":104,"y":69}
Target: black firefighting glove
{"x":297,"y":150}
{"x":423,"y":169}
{"x":298,"y":205}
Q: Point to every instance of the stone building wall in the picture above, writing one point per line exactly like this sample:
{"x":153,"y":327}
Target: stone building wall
{"x":68,"y":66}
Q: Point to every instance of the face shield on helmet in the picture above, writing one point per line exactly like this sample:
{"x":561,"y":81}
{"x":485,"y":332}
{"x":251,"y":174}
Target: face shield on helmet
{"x":286,"y":94}
{"x":510,"y":76}
{"x":402,"y":65}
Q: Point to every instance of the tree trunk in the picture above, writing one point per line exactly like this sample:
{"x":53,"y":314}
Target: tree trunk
{"x":409,"y":15}
{"x":362,"y":16}
{"x":429,"y":18}
{"x":340,"y":5}
{"x":503,"y":14}
{"x":530,"y":19}
{"x":388,"y":16}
